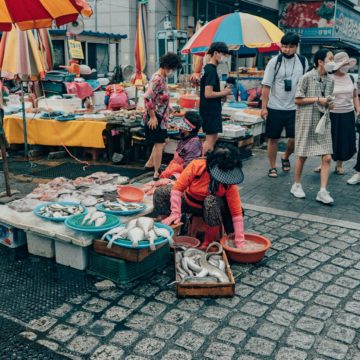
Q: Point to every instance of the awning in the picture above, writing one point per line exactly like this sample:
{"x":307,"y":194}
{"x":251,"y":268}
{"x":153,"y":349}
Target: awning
{"x":105,"y":35}
{"x":334,"y":42}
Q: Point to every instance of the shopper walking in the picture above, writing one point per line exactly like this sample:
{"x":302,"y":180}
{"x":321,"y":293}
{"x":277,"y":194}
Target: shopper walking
{"x":278,"y":108}
{"x":313,"y":100}
{"x":346,"y":109}
{"x":210,"y":95}
{"x":157,"y":108}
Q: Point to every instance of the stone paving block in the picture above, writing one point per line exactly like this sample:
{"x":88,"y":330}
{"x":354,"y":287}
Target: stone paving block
{"x":356,"y":295}
{"x":331,"y":348}
{"x":190,"y":341}
{"x":270,"y":331}
{"x":131,"y":301}
{"x":310,"y":231}
{"x":321,"y":240}
{"x":348,"y":319}
{"x":276,"y":264}
{"x":265,"y":297}
{"x":96,"y":305}
{"x":164,"y":331}
{"x":231,"y":335}
{"x":264,"y":272}
{"x":289,"y":353}
{"x":329,"y":250}
{"x":321,"y":276}
{"x":336,"y":290}
{"x":204,"y":326}
{"x":299,"y":235}
{"x":343,"y":262}
{"x":332,"y":269}
{"x":135,"y":357}
{"x":260,"y":346}
{"x":242,"y":321}
{"x":328,"y":301}
{"x":153,"y":308}
{"x":276,"y":287}
{"x":280,"y":317}
{"x":318,"y":226}
{"x":149,"y":346}
{"x":28,"y":335}
{"x":311,"y":285}
{"x":342,"y":245}
{"x":300,"y":294}
{"x":309,"y":245}
{"x":124,"y":337}
{"x":355,"y":233}
{"x":80,"y":318}
{"x":310,"y":325}
{"x":101,"y":328}
{"x":299,"y":251}
{"x":287,"y":279}
{"x":347,"y":282}
{"x":289,"y":305}
{"x":117,"y":314}
{"x":111,"y":294}
{"x":168,"y":297}
{"x":309,"y":263}
{"x":176,"y":354}
{"x":77,"y":300}
{"x":49,"y":344}
{"x":107,"y":352}
{"x":190,"y":304}
{"x":300,"y":340}
{"x":243,"y":290}
{"x":350,"y":254}
{"x":139,"y":322}
{"x":318,"y":312}
{"x":62,"y":333}
{"x":61,"y":310}
{"x":297,"y":270}
{"x":252,"y":280}
{"x":42,"y":324}
{"x":328,"y":234}
{"x":348,"y":239}
{"x":160,"y":279}
{"x":228,"y":302}
{"x":177,"y":316}
{"x":290,"y":227}
{"x":279,"y":246}
{"x":341,"y":333}
{"x":83,"y":344}
{"x":289,"y":241}
{"x":353,"y":306}
{"x":287,"y":257}
{"x":215,"y":312}
{"x":270,"y":252}
{"x":254,"y":308}
{"x":219,"y":350}
{"x":146,"y":290}
{"x":353,"y":274}
{"x":247,"y":357}
{"x":319,"y":256}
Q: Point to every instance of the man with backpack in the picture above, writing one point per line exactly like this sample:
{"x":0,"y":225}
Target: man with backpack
{"x":278,"y":107}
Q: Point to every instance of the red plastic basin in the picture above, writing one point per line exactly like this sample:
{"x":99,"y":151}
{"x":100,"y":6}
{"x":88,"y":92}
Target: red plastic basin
{"x":130,"y":193}
{"x":242,"y":256}
{"x":187,"y":241}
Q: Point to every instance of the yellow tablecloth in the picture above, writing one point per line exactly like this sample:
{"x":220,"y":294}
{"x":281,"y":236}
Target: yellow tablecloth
{"x":56,"y":133}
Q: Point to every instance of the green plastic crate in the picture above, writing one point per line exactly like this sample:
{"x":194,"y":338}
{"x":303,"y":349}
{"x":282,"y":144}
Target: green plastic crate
{"x":123,"y":272}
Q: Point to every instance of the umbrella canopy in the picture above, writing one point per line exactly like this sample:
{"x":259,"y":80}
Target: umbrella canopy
{"x":234,"y":29}
{"x":141,"y":42}
{"x":45,"y":46}
{"x":36,"y":14}
{"x":20,"y":56}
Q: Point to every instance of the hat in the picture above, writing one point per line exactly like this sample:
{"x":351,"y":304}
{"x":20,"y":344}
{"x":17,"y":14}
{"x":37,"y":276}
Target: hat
{"x":184,"y":124}
{"x":341,"y":59}
{"x":228,"y":177}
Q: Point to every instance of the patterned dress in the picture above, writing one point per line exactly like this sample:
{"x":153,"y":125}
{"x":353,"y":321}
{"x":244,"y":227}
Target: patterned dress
{"x":157,"y":98}
{"x":307,"y":143}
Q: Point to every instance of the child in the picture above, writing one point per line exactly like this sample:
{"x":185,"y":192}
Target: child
{"x":189,"y":147}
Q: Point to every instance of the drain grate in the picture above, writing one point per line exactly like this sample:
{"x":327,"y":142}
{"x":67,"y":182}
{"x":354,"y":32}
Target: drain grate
{"x":73,"y":170}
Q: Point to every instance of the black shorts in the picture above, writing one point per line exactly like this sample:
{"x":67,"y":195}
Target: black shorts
{"x":211,"y":125}
{"x":155,"y":136}
{"x":277,"y":120}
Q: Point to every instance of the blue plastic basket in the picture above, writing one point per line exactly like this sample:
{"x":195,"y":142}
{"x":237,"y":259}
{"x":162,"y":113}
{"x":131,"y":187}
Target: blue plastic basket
{"x":145,"y":243}
{"x":39,"y":207}
{"x":74,"y":223}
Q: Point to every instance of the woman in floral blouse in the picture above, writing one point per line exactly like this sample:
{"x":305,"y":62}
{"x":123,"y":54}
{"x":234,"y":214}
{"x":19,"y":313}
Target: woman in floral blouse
{"x":157,"y":110}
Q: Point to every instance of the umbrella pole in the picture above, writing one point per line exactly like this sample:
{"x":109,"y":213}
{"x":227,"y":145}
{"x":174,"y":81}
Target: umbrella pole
{"x":3,"y":154}
{"x":26,"y":150}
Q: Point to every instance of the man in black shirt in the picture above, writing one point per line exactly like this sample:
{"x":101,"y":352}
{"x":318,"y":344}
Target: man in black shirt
{"x":210,"y":95}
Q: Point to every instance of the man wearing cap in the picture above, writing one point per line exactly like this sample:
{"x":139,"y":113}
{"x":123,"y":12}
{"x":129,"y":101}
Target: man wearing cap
{"x":207,"y":188}
{"x":210,"y":95}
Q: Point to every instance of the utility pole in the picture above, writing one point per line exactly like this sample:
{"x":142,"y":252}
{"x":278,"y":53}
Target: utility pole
{"x":96,"y":19}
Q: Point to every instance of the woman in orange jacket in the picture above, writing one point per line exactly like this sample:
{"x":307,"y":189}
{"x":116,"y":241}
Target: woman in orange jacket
{"x":207,"y":188}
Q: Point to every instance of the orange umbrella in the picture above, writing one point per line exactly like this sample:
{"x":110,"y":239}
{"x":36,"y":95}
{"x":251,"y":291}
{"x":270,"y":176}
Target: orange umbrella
{"x":141,"y":43}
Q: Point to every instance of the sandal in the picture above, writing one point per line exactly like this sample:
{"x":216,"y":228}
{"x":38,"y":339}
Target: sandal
{"x":317,"y":170}
{"x":339,"y":170}
{"x":273,"y":173}
{"x":285,"y":164}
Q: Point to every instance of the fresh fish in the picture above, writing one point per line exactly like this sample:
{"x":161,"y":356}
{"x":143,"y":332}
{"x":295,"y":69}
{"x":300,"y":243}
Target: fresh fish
{"x":162,"y":232}
{"x":119,"y":235}
{"x":88,"y":216}
{"x":146,"y":224}
{"x":152,"y":237}
{"x":113,"y":231}
{"x":95,"y":216}
{"x":131,"y":224}
{"x":213,"y":270}
{"x":135,"y":235}
{"x":100,"y":221}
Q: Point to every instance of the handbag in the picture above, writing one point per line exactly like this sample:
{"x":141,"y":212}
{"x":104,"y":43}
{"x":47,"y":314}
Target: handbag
{"x":321,"y":125}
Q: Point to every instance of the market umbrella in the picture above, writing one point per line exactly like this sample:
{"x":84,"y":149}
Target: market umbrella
{"x":234,"y":29}
{"x":44,"y":43}
{"x":141,"y":42}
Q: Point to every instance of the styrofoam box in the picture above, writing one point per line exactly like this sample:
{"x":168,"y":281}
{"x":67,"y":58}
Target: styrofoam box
{"x":256,"y":128}
{"x":11,"y":237}
{"x":66,"y":105}
{"x":240,"y":116}
{"x":71,"y":255}
{"x":233,"y":131}
{"x":40,"y":245}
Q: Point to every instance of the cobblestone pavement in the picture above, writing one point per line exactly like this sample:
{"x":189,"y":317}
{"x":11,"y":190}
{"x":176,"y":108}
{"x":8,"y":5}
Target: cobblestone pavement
{"x":301,"y":302}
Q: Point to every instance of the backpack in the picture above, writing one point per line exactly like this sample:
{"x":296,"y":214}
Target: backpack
{"x":279,"y":61}
{"x":118,"y":100}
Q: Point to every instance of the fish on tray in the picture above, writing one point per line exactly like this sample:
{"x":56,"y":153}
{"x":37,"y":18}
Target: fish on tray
{"x":121,"y":206}
{"x":60,"y":211}
{"x":94,"y":218}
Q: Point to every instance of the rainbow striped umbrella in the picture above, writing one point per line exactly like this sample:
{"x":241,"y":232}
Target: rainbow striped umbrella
{"x":236,"y":29}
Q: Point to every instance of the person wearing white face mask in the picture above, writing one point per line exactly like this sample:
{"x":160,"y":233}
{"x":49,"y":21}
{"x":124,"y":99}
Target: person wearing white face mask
{"x":210,"y":95}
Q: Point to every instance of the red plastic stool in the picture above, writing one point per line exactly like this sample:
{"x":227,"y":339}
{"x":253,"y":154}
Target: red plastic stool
{"x":197,"y":224}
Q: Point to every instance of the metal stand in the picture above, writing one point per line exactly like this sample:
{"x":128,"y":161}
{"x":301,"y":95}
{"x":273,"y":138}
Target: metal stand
{"x":26,"y":149}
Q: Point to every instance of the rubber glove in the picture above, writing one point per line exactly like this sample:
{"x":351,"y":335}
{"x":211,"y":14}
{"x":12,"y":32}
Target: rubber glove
{"x":175,"y":215}
{"x":238,"y":222}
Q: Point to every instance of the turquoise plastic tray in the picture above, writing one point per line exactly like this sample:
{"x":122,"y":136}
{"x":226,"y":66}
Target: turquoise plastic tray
{"x":145,"y":243}
{"x":37,"y":210}
{"x":100,"y":207}
{"x":74,"y":223}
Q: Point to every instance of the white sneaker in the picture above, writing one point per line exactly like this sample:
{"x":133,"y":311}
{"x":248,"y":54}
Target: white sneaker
{"x":324,"y":197}
{"x":355,"y":179}
{"x":297,"y":191}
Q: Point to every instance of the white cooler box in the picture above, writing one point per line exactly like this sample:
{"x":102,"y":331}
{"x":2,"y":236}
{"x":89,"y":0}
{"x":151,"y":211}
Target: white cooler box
{"x":232,"y":131}
{"x":253,"y":122}
{"x":66,"y":105}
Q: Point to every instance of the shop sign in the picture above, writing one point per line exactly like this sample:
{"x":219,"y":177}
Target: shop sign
{"x":75,"y":49}
{"x":308,"y":18}
{"x":347,"y":24}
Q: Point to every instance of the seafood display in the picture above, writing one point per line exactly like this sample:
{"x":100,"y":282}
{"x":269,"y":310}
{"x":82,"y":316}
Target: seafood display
{"x":197,"y":266}
{"x":150,"y":187}
{"x":136,"y":230}
{"x":57,"y":210}
{"x":121,"y":206}
{"x":94,"y":218}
